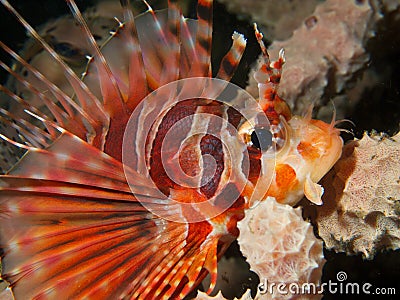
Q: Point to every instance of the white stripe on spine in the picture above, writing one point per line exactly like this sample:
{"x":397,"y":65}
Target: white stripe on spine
{"x":233,"y":155}
{"x":199,"y":127}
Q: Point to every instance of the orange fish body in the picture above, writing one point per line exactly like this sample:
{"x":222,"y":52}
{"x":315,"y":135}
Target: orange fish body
{"x":132,"y":187}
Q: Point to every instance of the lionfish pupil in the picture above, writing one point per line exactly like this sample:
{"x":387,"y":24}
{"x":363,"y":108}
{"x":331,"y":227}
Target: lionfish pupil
{"x":261,"y":138}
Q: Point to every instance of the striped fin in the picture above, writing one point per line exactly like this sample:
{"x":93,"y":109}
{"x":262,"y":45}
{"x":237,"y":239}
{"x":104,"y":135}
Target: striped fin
{"x":136,"y":66}
{"x":196,"y":40}
{"x":204,"y":36}
{"x":70,"y":225}
{"x":71,"y":117}
{"x":74,"y":246}
{"x":75,"y":230}
{"x":174,"y":22}
{"x":67,"y":103}
{"x":87,"y":101}
{"x":160,"y":49}
{"x":232,"y":59}
{"x":268,"y":78}
{"x":9,"y":154}
{"x":127,"y":67}
{"x":111,"y":95}
{"x":174,"y":47}
{"x":188,"y":40}
{"x":87,"y":98}
{"x":33,"y":135}
{"x":50,"y":126}
{"x":58,"y":114}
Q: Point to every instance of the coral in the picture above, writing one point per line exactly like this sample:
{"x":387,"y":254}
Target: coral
{"x":326,"y":54}
{"x":362,"y":198}
{"x":272,"y":15}
{"x":204,"y":296}
{"x":219,"y":296}
{"x":281,"y":247}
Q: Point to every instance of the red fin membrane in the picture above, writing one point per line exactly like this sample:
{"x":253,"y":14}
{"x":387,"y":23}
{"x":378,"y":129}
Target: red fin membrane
{"x":78,"y":231}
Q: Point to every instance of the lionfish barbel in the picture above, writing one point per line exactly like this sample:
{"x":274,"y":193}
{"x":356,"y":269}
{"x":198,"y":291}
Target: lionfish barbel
{"x":132,"y":185}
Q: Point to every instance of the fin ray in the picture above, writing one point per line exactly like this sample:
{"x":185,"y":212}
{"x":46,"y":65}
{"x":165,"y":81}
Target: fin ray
{"x":72,"y":235}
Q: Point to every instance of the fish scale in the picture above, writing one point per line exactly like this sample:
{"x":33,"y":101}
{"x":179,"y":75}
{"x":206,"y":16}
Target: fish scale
{"x":82,"y":217}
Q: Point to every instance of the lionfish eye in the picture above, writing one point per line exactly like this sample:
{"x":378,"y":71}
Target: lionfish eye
{"x":261,"y":138}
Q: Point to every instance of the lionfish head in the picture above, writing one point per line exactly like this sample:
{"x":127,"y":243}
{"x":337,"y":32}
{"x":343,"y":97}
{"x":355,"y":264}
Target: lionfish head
{"x":305,"y":149}
{"x":318,"y":143}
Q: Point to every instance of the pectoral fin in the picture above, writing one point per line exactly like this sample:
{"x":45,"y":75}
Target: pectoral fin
{"x":313,"y":191}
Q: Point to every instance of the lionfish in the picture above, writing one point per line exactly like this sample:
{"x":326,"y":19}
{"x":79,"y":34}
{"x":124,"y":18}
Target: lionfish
{"x":106,"y":202}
